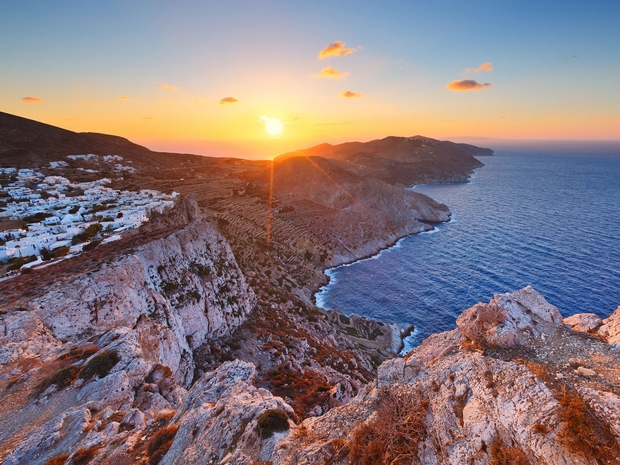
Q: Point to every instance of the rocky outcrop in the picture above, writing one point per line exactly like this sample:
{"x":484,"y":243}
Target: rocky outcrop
{"x":508,"y":381}
{"x":118,"y":339}
{"x":507,"y":319}
{"x":218,"y":422}
{"x":187,"y":285}
{"x":608,"y":329}
{"x":476,"y":399}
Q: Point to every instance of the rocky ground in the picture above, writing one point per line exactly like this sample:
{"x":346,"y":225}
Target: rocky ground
{"x":513,"y":383}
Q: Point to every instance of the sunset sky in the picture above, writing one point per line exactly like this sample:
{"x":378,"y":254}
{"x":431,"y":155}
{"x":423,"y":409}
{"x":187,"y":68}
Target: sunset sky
{"x":207,"y":77}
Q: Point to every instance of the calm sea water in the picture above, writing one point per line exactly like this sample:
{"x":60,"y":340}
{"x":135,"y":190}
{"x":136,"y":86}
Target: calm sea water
{"x":550,"y":220}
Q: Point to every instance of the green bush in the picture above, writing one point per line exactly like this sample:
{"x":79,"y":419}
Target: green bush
{"x":60,"y":251}
{"x":37,"y":217}
{"x":271,"y":421}
{"x":91,"y":245}
{"x":46,"y":255}
{"x":65,"y":377}
{"x":90,"y":232}
{"x":100,"y":364}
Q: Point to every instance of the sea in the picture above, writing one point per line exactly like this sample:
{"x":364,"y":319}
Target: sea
{"x":548,"y":219}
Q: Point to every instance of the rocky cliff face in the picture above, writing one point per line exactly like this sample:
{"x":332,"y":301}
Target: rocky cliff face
{"x":122,"y":335}
{"x":513,"y":383}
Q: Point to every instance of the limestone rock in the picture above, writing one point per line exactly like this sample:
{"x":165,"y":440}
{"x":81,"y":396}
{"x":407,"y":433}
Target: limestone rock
{"x":53,"y":438}
{"x":22,"y":334}
{"x":606,"y":405}
{"x":584,"y":322}
{"x":508,"y":318}
{"x":611,"y":328}
{"x":219,"y":416}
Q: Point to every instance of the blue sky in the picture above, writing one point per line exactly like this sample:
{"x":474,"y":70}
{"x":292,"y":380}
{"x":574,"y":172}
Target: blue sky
{"x":100,"y":66}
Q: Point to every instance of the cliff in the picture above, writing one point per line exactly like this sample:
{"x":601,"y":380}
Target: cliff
{"x":513,"y":383}
{"x":123,"y":334}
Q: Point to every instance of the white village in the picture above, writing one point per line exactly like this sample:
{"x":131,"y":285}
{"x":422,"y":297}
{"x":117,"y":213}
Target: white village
{"x":59,"y":218}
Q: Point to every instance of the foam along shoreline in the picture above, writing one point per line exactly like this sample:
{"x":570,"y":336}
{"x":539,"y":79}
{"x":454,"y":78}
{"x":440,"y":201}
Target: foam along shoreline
{"x":331,"y":272}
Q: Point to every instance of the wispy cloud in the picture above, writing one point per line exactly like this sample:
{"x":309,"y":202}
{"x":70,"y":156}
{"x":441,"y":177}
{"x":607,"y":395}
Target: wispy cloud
{"x":467,"y":84}
{"x":32,"y":100}
{"x":229,"y":101}
{"x":166,"y":86}
{"x":121,"y":97}
{"x":330,"y":72}
{"x":337,"y":49}
{"x":351,"y":94}
{"x":487,"y":67}
{"x":147,"y":117}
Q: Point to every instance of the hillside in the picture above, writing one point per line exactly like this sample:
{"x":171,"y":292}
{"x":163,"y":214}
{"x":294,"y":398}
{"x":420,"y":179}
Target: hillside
{"x":402,"y":161}
{"x":28,"y":144}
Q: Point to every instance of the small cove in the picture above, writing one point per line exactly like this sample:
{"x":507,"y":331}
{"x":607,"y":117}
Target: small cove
{"x":551,"y":220}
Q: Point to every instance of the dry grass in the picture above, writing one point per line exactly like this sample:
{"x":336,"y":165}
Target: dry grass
{"x":583,"y":433}
{"x":306,"y":388}
{"x":487,"y":316}
{"x":394,"y":432}
{"x":160,"y":443}
{"x":501,"y":454}
{"x":58,"y":460}
{"x":84,"y":456}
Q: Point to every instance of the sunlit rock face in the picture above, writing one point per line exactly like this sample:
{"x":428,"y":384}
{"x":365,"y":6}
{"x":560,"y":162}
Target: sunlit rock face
{"x":175,"y":292}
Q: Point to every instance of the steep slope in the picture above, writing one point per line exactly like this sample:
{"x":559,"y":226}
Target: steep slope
{"x":355,"y":216}
{"x":133,"y":323}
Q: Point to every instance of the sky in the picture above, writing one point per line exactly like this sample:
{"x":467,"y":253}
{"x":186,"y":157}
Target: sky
{"x":208,"y":77}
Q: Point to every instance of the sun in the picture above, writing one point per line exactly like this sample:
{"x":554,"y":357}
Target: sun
{"x":273,"y":126}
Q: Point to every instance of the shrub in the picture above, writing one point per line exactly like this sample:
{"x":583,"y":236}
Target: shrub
{"x":89,"y":233}
{"x":100,"y":364}
{"x":79,"y":353}
{"x":393,"y":434}
{"x":36,"y":217}
{"x":271,"y":421}
{"x":583,"y":433}
{"x":91,"y":245}
{"x":501,"y":454}
{"x":65,"y":377}
{"x":160,"y":443}
{"x":60,"y":251}
{"x":58,"y":460}
{"x":46,"y":255}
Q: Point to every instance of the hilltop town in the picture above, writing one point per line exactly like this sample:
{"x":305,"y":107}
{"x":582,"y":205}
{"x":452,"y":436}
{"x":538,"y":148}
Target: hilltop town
{"x":44,"y":218}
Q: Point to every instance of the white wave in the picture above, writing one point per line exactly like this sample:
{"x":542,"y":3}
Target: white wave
{"x":432,"y":231}
{"x":411,"y":342}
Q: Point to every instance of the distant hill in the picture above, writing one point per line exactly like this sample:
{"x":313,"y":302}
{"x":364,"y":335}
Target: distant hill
{"x":27,"y":143}
{"x":401,"y":160}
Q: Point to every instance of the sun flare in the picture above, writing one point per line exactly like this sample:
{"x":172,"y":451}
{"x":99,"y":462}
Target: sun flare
{"x":272,"y":125}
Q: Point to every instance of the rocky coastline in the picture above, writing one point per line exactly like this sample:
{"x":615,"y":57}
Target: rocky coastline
{"x":193,"y":340}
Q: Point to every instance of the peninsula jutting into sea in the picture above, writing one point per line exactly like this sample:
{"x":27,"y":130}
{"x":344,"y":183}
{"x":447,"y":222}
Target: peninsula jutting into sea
{"x":161,"y":339}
